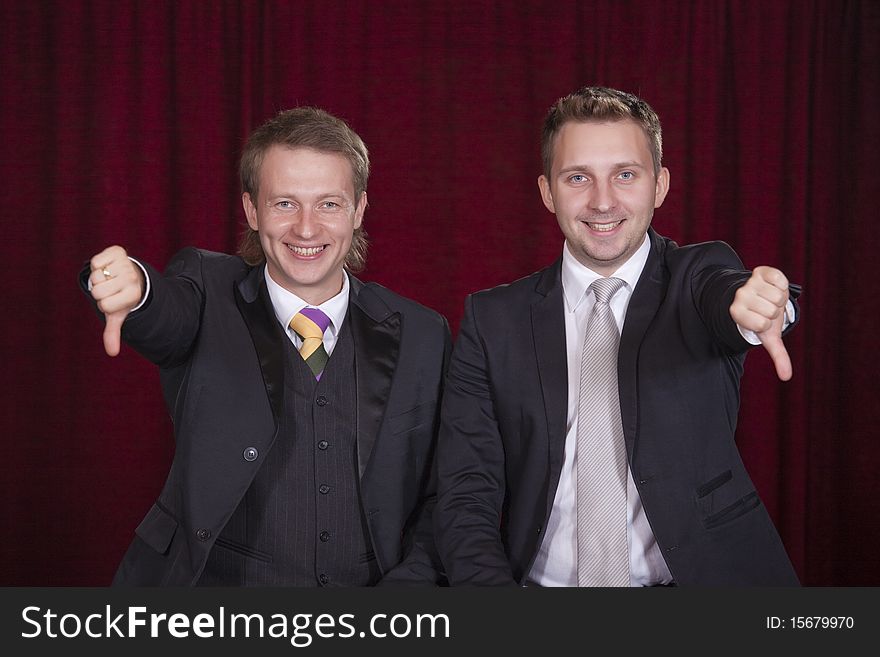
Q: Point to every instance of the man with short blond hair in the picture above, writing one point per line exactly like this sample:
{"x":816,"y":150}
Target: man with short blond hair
{"x":587,"y":430}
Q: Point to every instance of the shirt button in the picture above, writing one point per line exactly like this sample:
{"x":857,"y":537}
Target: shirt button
{"x":323,"y":579}
{"x":323,"y":444}
{"x":324,"y":488}
{"x":321,"y":401}
{"x":324,"y":536}
{"x":250,"y":454}
{"x":203,"y":534}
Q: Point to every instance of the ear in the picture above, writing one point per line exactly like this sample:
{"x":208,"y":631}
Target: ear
{"x":359,"y":211}
{"x":546,"y":194}
{"x":250,"y":211}
{"x":662,"y":187}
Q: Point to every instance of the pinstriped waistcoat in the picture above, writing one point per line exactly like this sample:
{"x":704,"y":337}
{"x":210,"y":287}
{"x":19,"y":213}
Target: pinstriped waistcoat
{"x":300,"y":522}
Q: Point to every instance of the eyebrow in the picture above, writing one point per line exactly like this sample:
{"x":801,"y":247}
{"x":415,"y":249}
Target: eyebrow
{"x":618,"y":165}
{"x":324,"y":194}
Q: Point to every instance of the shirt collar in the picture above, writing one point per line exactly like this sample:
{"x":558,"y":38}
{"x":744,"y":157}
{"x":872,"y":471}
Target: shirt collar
{"x":576,"y":278}
{"x":286,"y":304}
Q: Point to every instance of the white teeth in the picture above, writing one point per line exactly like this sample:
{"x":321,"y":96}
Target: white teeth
{"x":303,"y":251}
{"x":604,"y":228}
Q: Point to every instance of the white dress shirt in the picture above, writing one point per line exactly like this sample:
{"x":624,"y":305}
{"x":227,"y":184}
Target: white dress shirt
{"x":556,"y":563}
{"x":286,"y":304}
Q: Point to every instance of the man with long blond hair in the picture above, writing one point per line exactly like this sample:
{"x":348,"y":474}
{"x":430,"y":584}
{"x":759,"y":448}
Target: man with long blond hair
{"x":305,"y":402}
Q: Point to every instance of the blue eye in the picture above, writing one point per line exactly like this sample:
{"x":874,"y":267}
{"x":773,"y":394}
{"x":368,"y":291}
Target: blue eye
{"x":627,"y":175}
{"x":577,"y":178}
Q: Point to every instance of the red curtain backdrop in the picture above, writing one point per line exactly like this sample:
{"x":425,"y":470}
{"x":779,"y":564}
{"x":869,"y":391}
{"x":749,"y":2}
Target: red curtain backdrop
{"x":122,"y":123}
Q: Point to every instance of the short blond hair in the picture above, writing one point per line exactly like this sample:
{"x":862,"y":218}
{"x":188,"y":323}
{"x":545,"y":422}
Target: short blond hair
{"x":600,"y":104}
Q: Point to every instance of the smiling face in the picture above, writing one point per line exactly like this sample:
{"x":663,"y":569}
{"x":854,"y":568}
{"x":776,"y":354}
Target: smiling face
{"x":603,"y":190}
{"x":305,"y":214}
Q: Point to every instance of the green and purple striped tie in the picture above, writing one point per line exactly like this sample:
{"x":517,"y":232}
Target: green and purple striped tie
{"x":309,"y":324}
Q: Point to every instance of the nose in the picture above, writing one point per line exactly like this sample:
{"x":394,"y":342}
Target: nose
{"x":304,"y":225}
{"x":602,"y":197}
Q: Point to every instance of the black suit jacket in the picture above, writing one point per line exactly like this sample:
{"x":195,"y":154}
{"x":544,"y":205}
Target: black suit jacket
{"x":503,"y":424}
{"x":210,"y":327}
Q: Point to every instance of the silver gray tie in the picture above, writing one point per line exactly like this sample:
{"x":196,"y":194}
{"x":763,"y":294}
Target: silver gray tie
{"x":603,"y":554}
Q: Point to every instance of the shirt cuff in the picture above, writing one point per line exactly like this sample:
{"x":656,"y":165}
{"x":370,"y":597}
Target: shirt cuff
{"x":146,"y":285}
{"x":752,"y":338}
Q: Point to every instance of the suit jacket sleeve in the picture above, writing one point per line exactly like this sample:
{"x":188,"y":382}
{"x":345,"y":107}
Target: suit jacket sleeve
{"x":421,"y":563}
{"x":165,"y":327}
{"x":471,"y":469}
{"x":716,"y":278}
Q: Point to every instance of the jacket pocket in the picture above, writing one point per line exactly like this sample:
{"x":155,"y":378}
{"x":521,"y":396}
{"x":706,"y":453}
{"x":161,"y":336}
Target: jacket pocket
{"x":157,"y":529}
{"x":242,"y":549}
{"x":725,"y":497}
{"x":711,"y":485}
{"x":733,"y":511}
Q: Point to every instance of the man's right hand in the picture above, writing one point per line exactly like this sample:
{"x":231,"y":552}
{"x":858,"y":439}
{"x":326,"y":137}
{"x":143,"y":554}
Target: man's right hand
{"x":117,"y":286}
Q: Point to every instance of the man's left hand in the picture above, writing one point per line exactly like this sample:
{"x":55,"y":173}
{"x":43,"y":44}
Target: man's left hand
{"x":759,"y":306}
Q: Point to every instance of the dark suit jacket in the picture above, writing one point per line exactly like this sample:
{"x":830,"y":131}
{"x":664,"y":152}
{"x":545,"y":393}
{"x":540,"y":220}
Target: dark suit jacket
{"x":503,"y":424}
{"x":209,"y":325}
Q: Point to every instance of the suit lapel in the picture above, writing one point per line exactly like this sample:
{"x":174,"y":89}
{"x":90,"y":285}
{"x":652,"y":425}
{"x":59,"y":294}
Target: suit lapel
{"x":252,"y":299}
{"x":376,"y":332}
{"x":548,"y":329}
{"x":643,"y":305}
